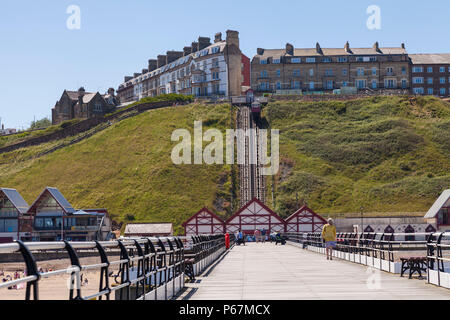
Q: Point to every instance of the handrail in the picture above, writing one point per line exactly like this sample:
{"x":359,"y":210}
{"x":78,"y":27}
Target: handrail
{"x":157,"y":260}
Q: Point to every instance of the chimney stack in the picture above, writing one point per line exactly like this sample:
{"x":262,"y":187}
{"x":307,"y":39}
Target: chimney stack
{"x":144,"y":71}
{"x":233,"y":38}
{"x":187,"y":51}
{"x":152,"y":64}
{"x":173,"y":55}
{"x":203,"y":42}
{"x":111,"y":91}
{"x":127,"y":78}
{"x":289,"y":49}
{"x":218,"y":37}
{"x":162,"y":60}
{"x":260,"y":51}
{"x":403,"y":46}
{"x":135,"y":75}
{"x":194,"y":46}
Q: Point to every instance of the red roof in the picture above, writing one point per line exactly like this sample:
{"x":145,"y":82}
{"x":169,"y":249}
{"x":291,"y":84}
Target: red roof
{"x":248,"y":204}
{"x":304,"y":208}
{"x":205,"y":209}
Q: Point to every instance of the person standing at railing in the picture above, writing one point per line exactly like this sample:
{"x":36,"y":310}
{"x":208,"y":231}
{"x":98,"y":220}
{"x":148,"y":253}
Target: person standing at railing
{"x":329,"y":236}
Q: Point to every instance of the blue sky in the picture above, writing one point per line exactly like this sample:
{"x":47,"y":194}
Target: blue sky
{"x":40,"y":57}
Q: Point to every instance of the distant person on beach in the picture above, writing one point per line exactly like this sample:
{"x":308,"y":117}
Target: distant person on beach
{"x":263,"y":235}
{"x":329,"y":236}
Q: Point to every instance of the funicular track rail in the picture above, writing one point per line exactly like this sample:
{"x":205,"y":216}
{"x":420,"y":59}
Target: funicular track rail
{"x":252,"y":182}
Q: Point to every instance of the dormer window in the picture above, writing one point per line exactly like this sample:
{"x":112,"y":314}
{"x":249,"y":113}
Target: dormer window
{"x":310,"y":60}
{"x":276,"y":61}
{"x":296,"y":60}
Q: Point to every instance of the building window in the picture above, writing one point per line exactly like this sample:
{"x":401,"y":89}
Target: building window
{"x":430,"y":80}
{"x":344,"y":84}
{"x":98,"y":107}
{"x":442,"y":69}
{"x":278,"y":73}
{"x":329,"y":84}
{"x":417,"y":69}
{"x":310,"y":60}
{"x":442,"y":91}
{"x":403,"y":70}
{"x":442,"y":80}
{"x":263,"y":61}
{"x":297,"y":85}
{"x":264,"y":74}
{"x":311,"y":72}
{"x":374,"y":71}
{"x":296,"y":73}
{"x":360,"y":84}
{"x":418,"y":90}
{"x":360,"y":71}
{"x":417,"y":80}
{"x":344,"y":72}
{"x":342,"y":59}
{"x":390,"y":83}
{"x":328,"y":72}
{"x":311,"y":85}
{"x":430,"y":91}
{"x":296,"y":60}
{"x":326,"y":59}
{"x":430,"y":69}
{"x":404,"y":83}
{"x":276,"y":61}
{"x":374,"y":84}
{"x":278,"y":85}
{"x":390,"y":71}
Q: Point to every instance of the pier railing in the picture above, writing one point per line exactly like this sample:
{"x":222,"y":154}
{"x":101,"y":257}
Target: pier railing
{"x":147,"y":268}
{"x":384,"y":250}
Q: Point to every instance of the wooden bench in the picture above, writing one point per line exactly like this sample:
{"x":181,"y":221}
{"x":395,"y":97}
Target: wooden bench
{"x":414,"y":264}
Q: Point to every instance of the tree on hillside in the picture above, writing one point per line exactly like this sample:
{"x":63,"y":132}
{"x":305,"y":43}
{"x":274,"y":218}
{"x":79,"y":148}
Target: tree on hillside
{"x":41,"y":124}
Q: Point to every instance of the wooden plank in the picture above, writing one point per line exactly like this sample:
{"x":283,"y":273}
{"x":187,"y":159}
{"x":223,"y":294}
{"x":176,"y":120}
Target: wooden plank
{"x":266,"y":271}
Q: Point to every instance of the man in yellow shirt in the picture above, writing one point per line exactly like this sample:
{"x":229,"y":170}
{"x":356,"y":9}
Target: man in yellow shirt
{"x":329,"y":236}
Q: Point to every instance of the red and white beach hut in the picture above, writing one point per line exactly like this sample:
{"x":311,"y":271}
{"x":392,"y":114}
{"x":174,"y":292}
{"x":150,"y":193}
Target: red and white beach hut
{"x":305,"y":220}
{"x":204,"y":222}
{"x":254,"y":215}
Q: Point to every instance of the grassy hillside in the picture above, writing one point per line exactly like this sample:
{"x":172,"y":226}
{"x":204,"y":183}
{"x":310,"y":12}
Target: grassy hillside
{"x":387,"y":154}
{"x":127,"y":168}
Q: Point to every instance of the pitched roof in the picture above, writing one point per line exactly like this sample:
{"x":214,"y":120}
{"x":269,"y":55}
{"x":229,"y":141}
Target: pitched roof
{"x":149,"y":228}
{"x":73,"y":95}
{"x":59,"y":198}
{"x":432,"y":58}
{"x":255,"y":200}
{"x":205,"y":209}
{"x":16,"y":199}
{"x":442,"y":201}
{"x":300,"y":211}
{"x":307,"y":52}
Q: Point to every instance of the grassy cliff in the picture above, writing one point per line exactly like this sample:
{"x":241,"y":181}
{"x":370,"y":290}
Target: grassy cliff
{"x":127,"y":168}
{"x":386,"y":154}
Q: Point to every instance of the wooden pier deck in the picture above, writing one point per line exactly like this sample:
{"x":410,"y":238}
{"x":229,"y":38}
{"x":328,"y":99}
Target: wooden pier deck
{"x":266,"y":271}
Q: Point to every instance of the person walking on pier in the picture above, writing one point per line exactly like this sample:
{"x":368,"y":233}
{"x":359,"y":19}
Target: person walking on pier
{"x":329,"y":236}
{"x":257,"y":235}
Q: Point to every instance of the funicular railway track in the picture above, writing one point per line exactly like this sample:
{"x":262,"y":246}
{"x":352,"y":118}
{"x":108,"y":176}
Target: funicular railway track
{"x":251,"y":180}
